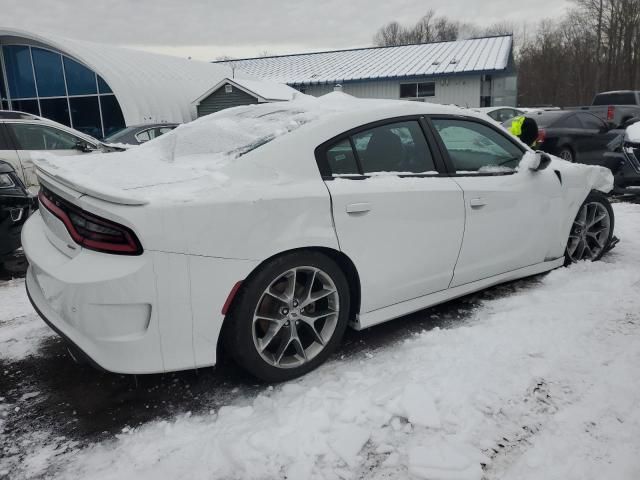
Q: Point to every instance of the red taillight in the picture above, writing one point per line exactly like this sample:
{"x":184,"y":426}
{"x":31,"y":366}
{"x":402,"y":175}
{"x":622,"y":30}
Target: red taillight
{"x":541,"y":135}
{"x":611,"y":112}
{"x":91,"y":231}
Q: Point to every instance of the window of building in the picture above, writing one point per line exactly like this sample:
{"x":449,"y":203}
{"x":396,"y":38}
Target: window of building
{"x":58,"y":83}
{"x":48,"y":68}
{"x":418,"y":90}
{"x":80,"y":80}
{"x":112,"y":119}
{"x":102,"y":86}
{"x":27,"y":106}
{"x":17,"y":61}
{"x":56,"y":109}
{"x":85,"y":115}
{"x":474,"y":147}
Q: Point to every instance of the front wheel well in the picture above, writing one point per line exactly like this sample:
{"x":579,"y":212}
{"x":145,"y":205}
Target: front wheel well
{"x":342,"y":260}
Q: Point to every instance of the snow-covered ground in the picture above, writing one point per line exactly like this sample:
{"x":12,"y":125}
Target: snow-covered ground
{"x":541,"y":384}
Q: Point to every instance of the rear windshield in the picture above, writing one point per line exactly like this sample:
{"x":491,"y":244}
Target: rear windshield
{"x":232,"y":132}
{"x":617,"y":98}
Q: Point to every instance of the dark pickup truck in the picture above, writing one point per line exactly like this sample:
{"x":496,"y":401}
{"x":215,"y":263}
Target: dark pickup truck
{"x":616,"y":108}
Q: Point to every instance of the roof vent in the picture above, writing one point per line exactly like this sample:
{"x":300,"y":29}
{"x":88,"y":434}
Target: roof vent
{"x":453,"y":61}
{"x":436,"y":62}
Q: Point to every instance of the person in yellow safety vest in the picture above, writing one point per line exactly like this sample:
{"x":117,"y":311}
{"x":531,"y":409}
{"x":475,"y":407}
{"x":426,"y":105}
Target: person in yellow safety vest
{"x":526,"y":129}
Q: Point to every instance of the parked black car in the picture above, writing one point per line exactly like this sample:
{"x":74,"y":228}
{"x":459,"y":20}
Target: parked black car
{"x":574,"y":136}
{"x":624,"y":162}
{"x":16,"y":204}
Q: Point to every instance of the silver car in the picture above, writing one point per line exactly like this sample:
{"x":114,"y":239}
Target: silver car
{"x":23,"y":136}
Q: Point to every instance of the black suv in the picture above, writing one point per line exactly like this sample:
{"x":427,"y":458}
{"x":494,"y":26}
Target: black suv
{"x":16,"y":204}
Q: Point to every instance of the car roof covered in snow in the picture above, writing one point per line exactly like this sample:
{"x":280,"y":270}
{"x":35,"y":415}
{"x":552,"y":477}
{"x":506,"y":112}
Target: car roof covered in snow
{"x":240,"y":143}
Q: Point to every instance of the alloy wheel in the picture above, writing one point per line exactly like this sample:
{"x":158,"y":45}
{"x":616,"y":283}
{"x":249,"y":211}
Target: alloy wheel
{"x":589,"y":233}
{"x":296,"y":316}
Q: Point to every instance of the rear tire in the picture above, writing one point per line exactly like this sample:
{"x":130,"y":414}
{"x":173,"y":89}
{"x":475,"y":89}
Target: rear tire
{"x":288,"y":317}
{"x":567,"y":154}
{"x":592,"y":230}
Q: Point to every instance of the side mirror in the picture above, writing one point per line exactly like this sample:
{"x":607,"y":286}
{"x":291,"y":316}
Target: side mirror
{"x":84,"y":147}
{"x":541,"y":162}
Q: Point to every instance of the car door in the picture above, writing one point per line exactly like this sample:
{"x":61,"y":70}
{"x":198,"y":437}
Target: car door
{"x":32,"y":139}
{"x":397,"y":217}
{"x":513,"y":215}
{"x":8,"y":152}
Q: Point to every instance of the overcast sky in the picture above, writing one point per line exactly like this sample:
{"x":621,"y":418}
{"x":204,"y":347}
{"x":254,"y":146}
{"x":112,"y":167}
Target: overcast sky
{"x":207,"y":29}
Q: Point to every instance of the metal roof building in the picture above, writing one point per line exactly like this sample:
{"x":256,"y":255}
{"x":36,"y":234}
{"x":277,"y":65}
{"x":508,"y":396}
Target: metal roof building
{"x":98,"y":88}
{"x":475,"y":72}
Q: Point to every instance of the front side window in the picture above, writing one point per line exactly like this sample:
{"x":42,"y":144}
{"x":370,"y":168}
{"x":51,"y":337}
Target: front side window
{"x":477,"y":148}
{"x":42,"y":137}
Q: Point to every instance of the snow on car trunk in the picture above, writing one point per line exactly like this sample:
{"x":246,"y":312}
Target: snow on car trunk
{"x":540,"y":384}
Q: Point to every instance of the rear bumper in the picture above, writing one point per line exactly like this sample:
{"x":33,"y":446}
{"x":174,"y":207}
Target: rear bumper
{"x":151,"y":313}
{"x":102,"y":304}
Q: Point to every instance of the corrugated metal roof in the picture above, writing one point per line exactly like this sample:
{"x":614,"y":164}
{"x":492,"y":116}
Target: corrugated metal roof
{"x":149,"y":87}
{"x":426,"y":59}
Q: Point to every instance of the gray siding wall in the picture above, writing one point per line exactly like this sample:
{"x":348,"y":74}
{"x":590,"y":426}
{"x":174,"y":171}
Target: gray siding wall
{"x":219,"y":100}
{"x":463,"y":90}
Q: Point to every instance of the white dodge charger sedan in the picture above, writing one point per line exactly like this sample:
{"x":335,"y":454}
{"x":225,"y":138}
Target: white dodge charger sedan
{"x":268,"y":229}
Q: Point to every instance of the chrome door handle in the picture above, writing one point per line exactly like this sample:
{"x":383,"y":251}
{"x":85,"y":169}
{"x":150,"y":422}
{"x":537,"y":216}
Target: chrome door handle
{"x":358,"y":207}
{"x":477,"y":203}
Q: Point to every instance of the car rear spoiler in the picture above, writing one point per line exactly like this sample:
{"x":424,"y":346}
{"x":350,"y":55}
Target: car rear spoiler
{"x":119,"y":197}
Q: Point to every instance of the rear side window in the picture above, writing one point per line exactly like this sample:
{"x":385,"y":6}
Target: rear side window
{"x":41,"y":137}
{"x":474,"y":147}
{"x":396,"y":147}
{"x":342,"y":160}
{"x":590,"y":122}
{"x":618,"y":98}
{"x":568,"y":122}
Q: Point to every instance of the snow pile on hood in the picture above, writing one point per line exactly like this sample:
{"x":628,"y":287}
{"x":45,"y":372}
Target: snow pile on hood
{"x":198,"y":150}
{"x":633,"y":133}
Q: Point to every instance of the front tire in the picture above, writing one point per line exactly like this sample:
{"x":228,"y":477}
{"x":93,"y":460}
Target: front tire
{"x":592,"y":230}
{"x":289,"y":317}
